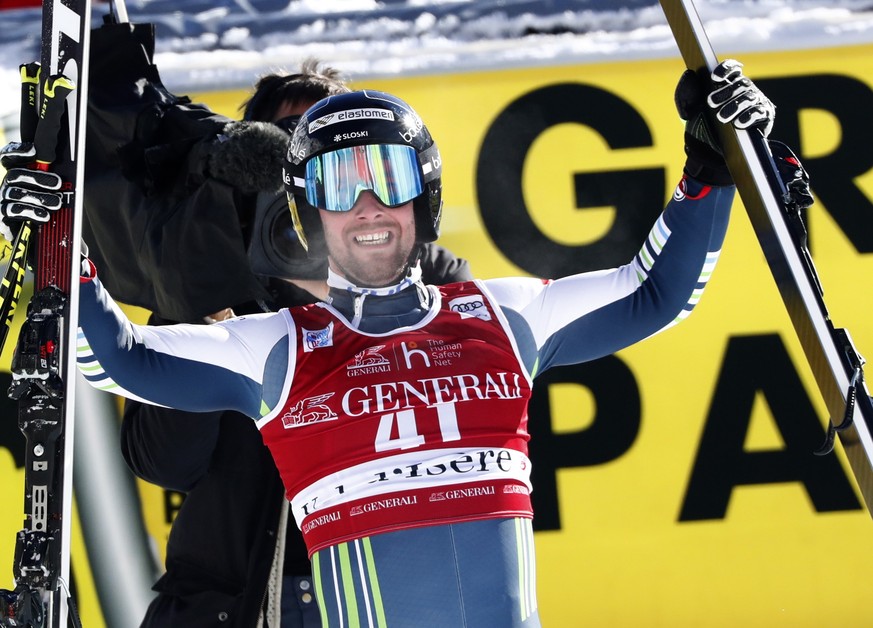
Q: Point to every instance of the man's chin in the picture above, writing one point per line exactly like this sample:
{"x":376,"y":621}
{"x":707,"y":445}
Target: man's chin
{"x":373,"y":268}
{"x":368,"y":280}
{"x":377,"y":283}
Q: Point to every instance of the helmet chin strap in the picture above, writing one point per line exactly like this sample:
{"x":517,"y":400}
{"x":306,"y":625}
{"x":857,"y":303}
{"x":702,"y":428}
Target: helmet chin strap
{"x":413,"y":275}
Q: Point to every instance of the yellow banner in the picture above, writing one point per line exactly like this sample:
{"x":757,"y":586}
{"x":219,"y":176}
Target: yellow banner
{"x":674,"y":483}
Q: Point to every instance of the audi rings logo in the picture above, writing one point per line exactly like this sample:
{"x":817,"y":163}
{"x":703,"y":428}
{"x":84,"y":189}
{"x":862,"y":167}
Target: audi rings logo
{"x":466,"y":308}
{"x":472,"y":306}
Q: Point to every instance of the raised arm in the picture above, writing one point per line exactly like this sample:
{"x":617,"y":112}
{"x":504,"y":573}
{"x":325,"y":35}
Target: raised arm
{"x":198,"y":368}
{"x":590,"y":315}
{"x":586,"y":316}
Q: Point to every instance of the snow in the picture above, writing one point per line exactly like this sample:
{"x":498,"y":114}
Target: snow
{"x":217,"y":44}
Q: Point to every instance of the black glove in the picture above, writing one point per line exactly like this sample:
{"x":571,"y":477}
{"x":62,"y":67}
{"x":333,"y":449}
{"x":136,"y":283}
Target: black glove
{"x":25,"y":194}
{"x":735,"y":100}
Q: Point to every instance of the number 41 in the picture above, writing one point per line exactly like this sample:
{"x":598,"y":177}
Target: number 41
{"x":407,"y":430}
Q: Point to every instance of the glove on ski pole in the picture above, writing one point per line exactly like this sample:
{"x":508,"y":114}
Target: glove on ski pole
{"x":29,"y":191}
{"x":734,"y":99}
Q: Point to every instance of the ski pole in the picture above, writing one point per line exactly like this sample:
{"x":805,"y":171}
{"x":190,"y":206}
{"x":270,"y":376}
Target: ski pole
{"x":119,"y":10}
{"x":40,"y":124}
{"x":13,"y":276}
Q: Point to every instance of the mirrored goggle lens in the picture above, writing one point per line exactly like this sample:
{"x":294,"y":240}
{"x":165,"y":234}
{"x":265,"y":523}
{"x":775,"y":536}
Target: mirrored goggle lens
{"x":334,"y":180}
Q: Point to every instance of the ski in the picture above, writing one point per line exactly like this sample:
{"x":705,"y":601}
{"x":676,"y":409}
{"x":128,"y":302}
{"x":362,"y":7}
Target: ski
{"x":43,"y":364}
{"x":835,"y":363}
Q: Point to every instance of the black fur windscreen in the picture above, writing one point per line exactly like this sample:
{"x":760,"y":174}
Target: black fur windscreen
{"x":249,"y":156}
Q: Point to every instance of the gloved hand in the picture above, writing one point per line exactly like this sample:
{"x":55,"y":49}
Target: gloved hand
{"x":25,"y":194}
{"x":735,"y":100}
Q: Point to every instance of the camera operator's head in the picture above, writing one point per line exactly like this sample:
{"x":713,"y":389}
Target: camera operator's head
{"x":281,"y":98}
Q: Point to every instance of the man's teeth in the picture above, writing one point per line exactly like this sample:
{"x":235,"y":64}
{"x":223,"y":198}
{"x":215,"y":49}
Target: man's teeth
{"x":372,"y":238}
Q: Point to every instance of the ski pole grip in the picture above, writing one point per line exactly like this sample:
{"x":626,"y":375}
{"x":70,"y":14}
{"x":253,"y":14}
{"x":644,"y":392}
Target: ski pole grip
{"x":29,"y":100}
{"x":51,"y":112}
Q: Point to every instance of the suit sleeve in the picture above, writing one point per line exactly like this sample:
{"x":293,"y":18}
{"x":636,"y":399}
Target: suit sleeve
{"x":167,"y":447}
{"x":587,"y":316}
{"x":198,"y":368}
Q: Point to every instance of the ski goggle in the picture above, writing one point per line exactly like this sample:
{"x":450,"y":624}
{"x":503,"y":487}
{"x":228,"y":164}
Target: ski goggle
{"x":334,"y":180}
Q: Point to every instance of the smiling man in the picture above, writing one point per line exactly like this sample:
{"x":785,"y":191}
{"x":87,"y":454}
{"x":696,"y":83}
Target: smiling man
{"x":370,"y":244}
{"x":370,"y":163}
{"x":396,"y":412}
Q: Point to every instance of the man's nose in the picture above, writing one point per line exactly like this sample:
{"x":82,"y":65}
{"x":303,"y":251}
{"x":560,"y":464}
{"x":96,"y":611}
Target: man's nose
{"x":367,"y":205}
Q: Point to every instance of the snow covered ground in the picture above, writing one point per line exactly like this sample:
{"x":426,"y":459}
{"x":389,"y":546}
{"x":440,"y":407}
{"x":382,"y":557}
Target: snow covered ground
{"x":211,"y":44}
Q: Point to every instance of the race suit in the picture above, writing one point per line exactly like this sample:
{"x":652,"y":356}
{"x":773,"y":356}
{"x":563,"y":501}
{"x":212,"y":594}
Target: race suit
{"x":403,"y":447}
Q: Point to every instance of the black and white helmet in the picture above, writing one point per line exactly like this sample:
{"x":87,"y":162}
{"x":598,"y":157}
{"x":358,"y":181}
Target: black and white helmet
{"x":363,"y":140}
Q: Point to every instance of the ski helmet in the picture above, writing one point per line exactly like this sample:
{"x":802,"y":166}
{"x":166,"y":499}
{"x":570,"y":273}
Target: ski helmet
{"x":375,"y":135}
